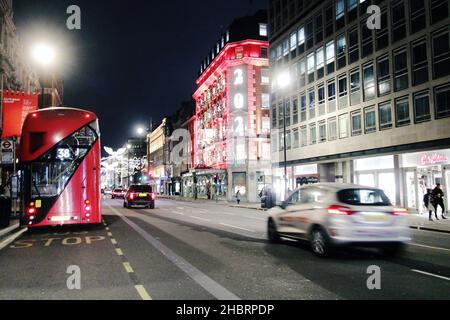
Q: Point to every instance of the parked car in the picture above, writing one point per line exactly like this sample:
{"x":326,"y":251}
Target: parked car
{"x":118,"y":194}
{"x":336,"y":215}
{"x":140,"y":195}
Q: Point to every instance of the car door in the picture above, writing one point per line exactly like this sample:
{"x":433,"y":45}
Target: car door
{"x":294,"y":214}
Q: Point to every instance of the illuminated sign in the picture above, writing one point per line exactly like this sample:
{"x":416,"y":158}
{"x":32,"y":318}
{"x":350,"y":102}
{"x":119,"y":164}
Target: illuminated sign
{"x":432,"y":159}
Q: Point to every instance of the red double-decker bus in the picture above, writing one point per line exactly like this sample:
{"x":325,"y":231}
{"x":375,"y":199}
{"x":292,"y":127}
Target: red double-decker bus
{"x":60,"y":161}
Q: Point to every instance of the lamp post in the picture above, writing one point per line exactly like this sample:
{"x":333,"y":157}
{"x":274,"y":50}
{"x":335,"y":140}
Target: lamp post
{"x":44,"y":55}
{"x":283,"y":82}
{"x":128,"y":160}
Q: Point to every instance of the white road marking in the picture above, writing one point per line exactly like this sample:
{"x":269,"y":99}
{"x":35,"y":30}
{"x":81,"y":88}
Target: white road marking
{"x":431,"y":275}
{"x":428,"y":247}
{"x":119,"y":252}
{"x":143,"y":293}
{"x":180,"y":208}
{"x":113,"y":241}
{"x":11,"y":239}
{"x":8,"y":230}
{"x":214,"y":288}
{"x":128,"y":267}
{"x":179,"y":213}
{"x":235,"y":227}
{"x":206,"y":220}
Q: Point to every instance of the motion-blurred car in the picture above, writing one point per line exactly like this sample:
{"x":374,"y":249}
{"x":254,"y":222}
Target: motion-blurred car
{"x":334,"y":215}
{"x":140,"y":195}
{"x":118,"y":194}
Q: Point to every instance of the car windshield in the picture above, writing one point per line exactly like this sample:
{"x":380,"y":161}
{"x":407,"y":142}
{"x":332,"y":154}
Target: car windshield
{"x":145,"y":188}
{"x":364,"y":197}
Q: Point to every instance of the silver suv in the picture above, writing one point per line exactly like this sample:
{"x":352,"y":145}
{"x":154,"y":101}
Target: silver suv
{"x":331,"y":215}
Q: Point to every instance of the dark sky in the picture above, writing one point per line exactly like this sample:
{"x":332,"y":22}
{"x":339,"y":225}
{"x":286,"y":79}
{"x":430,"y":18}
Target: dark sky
{"x":133,"y":59}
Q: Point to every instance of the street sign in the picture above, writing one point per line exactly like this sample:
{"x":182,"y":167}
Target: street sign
{"x":7,"y":152}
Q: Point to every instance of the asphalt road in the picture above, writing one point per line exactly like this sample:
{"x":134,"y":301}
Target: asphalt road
{"x":189,"y":251}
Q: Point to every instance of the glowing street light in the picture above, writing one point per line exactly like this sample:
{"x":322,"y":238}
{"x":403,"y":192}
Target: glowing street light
{"x":140,"y":131}
{"x":44,"y":54}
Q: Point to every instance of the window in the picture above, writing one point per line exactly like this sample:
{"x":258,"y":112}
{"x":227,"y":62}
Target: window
{"x":320,"y":63}
{"x":309,"y":34}
{"x":288,"y":140}
{"x":417,"y":14}
{"x":369,"y":83}
{"x":422,"y":107}
{"x":370,"y":120}
{"x":343,"y":126}
{"x":288,"y":113}
{"x":402,"y":112}
{"x":265,"y":125}
{"x":322,"y":131}
{"x":274,"y":117}
{"x":265,"y":76}
{"x":329,"y":22}
{"x":312,"y":133}
{"x":274,"y":142}
{"x":330,"y":53}
{"x":364,"y":197}
{"x":296,"y":137}
{"x":353,"y":45}
{"x":321,"y":94}
{"x":398,"y":21}
{"x":385,"y":114}
{"x":341,"y":51}
{"x":280,"y":115}
{"x":342,"y":86}
{"x":286,"y":47}
{"x":302,"y":71}
{"x":319,"y":28}
{"x":312,"y":103}
{"x":301,"y":40}
{"x":382,"y":34}
{"x":263,"y":29}
{"x":265,"y":101}
{"x":295,"y":111}
{"x":311,"y":67}
{"x":304,"y":136}
{"x":439,"y":10}
{"x":366,"y":39}
{"x":419,"y":62}
{"x":351,"y":4}
{"x":340,"y":9}
{"x":401,"y":70}
{"x":442,"y":101}
{"x":332,"y":129}
{"x":303,"y":107}
{"x":355,"y":81}
{"x":356,"y":123}
{"x":384,"y":76}
{"x":331,"y":90}
{"x":264,"y":53}
{"x":441,"y":54}
{"x":293,"y":41}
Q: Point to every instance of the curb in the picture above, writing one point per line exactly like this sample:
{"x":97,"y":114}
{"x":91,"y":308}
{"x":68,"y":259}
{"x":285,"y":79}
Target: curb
{"x":10,"y":229}
{"x":419,"y":228}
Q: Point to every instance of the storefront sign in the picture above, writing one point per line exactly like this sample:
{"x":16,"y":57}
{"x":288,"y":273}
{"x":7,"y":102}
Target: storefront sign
{"x":16,"y":106}
{"x":433,"y":159}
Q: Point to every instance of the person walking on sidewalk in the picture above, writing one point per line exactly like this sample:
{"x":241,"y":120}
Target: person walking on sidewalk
{"x":238,"y":197}
{"x":428,"y":201}
{"x":438,"y":195}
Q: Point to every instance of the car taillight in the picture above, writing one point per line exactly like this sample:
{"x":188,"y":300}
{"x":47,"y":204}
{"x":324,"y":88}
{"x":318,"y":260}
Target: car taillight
{"x":87,"y":207}
{"x":400,"y":212}
{"x":31,"y":210}
{"x":152,"y":196}
{"x":340,"y":210}
{"x":131,"y":196}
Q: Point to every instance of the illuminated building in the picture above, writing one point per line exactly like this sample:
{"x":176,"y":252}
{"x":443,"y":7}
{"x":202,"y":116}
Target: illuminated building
{"x":232,"y":122}
{"x":364,"y":106}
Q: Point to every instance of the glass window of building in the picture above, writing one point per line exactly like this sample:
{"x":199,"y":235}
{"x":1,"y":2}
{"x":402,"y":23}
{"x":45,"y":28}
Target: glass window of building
{"x":301,"y":40}
{"x":355,"y":81}
{"x":286,"y":47}
{"x":274,"y":117}
{"x":341,"y":51}
{"x":366,"y":39}
{"x":419,"y":62}
{"x":417,"y":15}
{"x":322,"y":131}
{"x":343,"y":126}
{"x":422,"y":107}
{"x":353,"y":46}
{"x":321,"y":94}
{"x":398,"y":21}
{"x":332,"y":129}
{"x":296,"y":137}
{"x":265,"y":76}
{"x":340,"y":13}
{"x":283,"y":141}
{"x":384,"y":76}
{"x":311,"y":67}
{"x":329,"y":25}
{"x":439,"y":10}
{"x":330,"y":55}
{"x":264,"y":52}
{"x":293,"y":41}
{"x":302,"y":71}
{"x":320,"y":63}
{"x":274,"y":142}
{"x":319,"y":28}
{"x":385,"y":114}
{"x":382,"y":35}
{"x":356,"y":123}
{"x":265,"y":150}
{"x":370,"y":120}
{"x":280,"y":115}
{"x":288,"y":140}
{"x":304,"y":136}
{"x":401,"y":70}
{"x":265,"y":101}
{"x":288,"y":113}
{"x":369,"y":82}
{"x":343,"y":85}
{"x":312,"y":134}
{"x":303,"y":110}
{"x":312,"y":103}
{"x":441,"y":54}
{"x":331,"y":90}
{"x":442,"y":101}
{"x":309,"y":34}
{"x":402,"y":112}
{"x":265,"y":125}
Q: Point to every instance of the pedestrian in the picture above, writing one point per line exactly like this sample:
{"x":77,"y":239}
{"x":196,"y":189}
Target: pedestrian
{"x":438,"y":196}
{"x":238,"y":197}
{"x":428,"y":201}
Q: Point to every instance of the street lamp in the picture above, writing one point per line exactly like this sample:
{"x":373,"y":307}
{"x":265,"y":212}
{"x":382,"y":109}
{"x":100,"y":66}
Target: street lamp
{"x":283,"y":81}
{"x":140,"y":131}
{"x":128,"y":155}
{"x":44,"y":55}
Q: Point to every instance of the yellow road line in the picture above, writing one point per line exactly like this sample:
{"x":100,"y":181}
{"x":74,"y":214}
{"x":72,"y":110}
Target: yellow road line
{"x":109,"y":234}
{"x":143,"y":293}
{"x":113,"y":241}
{"x":119,"y":252}
{"x":128,"y":267}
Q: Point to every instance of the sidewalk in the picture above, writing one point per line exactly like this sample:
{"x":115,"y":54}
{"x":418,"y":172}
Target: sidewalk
{"x":253,"y":206}
{"x":421,"y":222}
{"x":14,"y":225}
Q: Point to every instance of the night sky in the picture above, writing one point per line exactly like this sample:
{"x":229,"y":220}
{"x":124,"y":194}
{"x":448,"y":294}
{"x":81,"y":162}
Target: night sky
{"x":132,"y":60}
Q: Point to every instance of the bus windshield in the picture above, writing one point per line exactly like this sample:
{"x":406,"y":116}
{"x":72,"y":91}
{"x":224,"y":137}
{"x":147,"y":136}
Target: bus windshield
{"x":51,"y":173}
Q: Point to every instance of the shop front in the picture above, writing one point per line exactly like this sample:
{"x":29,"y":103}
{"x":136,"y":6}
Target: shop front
{"x":204,"y":184}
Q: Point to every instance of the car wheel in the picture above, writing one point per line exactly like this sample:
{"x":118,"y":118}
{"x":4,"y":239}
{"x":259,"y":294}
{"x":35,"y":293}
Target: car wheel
{"x":393,"y":250}
{"x":320,"y":243}
{"x":152,"y":206}
{"x":272,"y":232}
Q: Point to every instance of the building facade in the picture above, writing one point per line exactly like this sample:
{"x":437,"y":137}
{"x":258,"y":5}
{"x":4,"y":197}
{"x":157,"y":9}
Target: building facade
{"x":159,"y":168}
{"x":364,"y":105}
{"x":232,"y":122}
